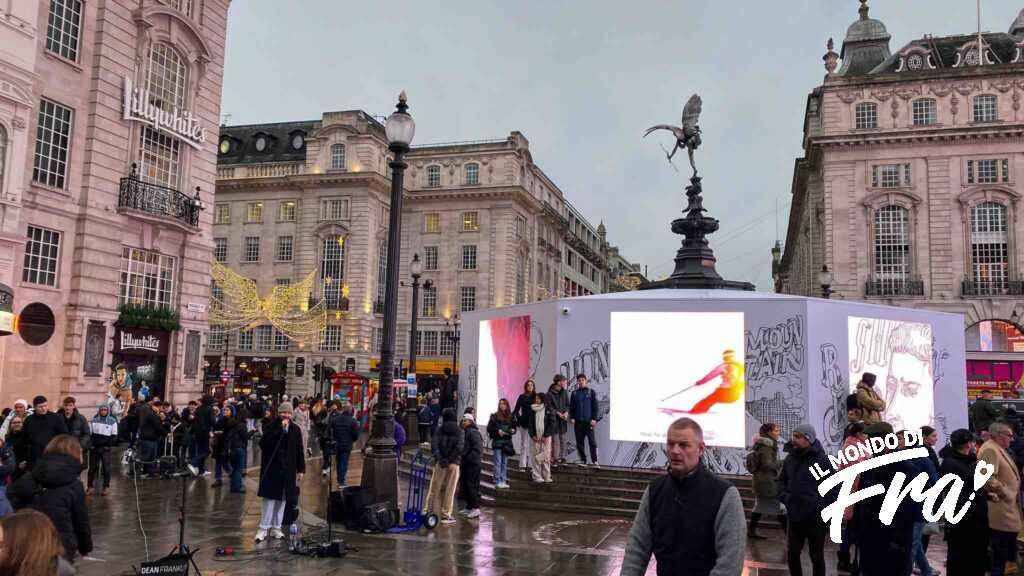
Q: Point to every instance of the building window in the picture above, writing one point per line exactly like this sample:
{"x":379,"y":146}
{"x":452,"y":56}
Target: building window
{"x":520,"y":227}
{"x":64,"y":27}
{"x":890,"y":175}
{"x":446,"y":345}
{"x":986,"y":108}
{"x":283,"y":282}
{"x":222,"y":214}
{"x":426,"y":343}
{"x":284,"y":248}
{"x":866,"y":115}
{"x":467,"y":300}
{"x":147,"y":278}
{"x":430,"y":258}
{"x":332,"y":339}
{"x":215,"y":341}
{"x":42,"y":257}
{"x":220,"y":249}
{"x":892,"y":246}
{"x":252,"y":249}
{"x":332,"y":267}
{"x":287,"y":211}
{"x":245,"y":339}
{"x":432,"y":223}
{"x":159,"y":158}
{"x":989,"y":254}
{"x":167,"y":79}
{"x":53,"y":142}
{"x":433,"y":176}
{"x":470,"y":221}
{"x":520,"y":280}
{"x":337,"y":157}
{"x":382,"y":269}
{"x":430,"y":302}
{"x":264,"y":337}
{"x":254,"y":212}
{"x":469,"y":257}
{"x":924,"y":112}
{"x":472,"y":174}
{"x":334,"y":209}
{"x":988,"y":171}
{"x":281,"y":341}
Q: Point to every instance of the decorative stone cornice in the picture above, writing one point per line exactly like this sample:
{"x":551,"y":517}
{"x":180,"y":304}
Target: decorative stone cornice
{"x":920,"y":136}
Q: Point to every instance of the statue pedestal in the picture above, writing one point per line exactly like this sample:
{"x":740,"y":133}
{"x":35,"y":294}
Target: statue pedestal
{"x":695,"y":261}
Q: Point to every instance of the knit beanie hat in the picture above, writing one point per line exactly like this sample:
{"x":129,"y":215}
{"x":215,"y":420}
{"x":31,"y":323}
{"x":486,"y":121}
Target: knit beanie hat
{"x":285,"y":407}
{"x":807,"y":431}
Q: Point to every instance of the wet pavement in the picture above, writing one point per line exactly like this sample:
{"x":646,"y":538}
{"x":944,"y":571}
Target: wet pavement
{"x":507,"y":542}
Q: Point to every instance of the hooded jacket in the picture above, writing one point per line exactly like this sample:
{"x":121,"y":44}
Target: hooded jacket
{"x":104,"y":430}
{"x":871,"y":404}
{"x":449,"y":441}
{"x":767,"y":472}
{"x":798,"y":490}
{"x":54,"y":489}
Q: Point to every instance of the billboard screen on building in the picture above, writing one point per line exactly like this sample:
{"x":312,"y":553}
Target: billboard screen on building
{"x":899,"y":354}
{"x":503,"y":362}
{"x":666,"y":365}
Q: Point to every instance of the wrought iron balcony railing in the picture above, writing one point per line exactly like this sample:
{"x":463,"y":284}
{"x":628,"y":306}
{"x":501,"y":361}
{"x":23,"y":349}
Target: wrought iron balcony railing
{"x":137,"y":194}
{"x":894,"y":287}
{"x":1003,"y":287}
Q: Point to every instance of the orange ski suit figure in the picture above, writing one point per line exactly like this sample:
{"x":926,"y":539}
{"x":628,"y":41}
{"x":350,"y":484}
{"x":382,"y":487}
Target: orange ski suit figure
{"x":729,"y":390}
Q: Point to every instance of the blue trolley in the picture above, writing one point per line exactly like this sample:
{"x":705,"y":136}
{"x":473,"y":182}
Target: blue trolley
{"x":416,"y":513}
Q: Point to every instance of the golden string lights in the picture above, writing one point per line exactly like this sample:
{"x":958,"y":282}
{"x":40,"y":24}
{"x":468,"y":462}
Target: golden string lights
{"x":237,"y":305}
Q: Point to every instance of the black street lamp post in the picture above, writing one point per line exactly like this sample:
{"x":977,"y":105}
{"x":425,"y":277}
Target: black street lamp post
{"x":380,"y":470}
{"x":453,"y":336}
{"x":417,"y":271}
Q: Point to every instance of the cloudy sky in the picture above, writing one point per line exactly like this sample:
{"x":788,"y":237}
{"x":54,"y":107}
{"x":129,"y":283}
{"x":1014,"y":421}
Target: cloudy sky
{"x":582,"y":80}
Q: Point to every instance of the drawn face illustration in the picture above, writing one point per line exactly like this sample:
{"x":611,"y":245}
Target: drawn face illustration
{"x":908,"y":394}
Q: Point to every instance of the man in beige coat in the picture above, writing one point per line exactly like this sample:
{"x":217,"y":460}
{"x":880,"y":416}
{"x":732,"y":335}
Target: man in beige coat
{"x":871,"y":404}
{"x":1003,"y":493}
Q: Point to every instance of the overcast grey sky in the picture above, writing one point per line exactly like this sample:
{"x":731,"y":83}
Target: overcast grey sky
{"x":582,"y":80}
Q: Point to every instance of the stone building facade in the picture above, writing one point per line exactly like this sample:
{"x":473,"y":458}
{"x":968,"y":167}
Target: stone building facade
{"x":585,"y":265}
{"x":486,"y":221}
{"x":909,"y":187}
{"x":108,"y":116}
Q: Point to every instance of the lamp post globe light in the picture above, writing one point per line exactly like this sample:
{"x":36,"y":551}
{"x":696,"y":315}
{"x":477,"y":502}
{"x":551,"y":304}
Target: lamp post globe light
{"x":380,"y":469}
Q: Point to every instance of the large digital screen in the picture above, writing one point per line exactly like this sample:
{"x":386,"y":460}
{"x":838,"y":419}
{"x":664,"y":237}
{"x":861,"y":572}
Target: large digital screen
{"x":666,"y":365}
{"x":503,"y":362}
{"x":899,"y":354}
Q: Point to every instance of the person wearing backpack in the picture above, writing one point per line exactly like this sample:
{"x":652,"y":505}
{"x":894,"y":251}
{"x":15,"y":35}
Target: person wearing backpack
{"x":763,"y":464}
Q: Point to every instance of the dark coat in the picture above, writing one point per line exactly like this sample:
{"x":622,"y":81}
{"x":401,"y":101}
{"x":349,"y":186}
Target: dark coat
{"x":495,"y":424}
{"x":204,"y":419}
{"x":78,"y":427}
{"x":54,"y":489}
{"x":40,"y":429}
{"x":968,"y":538}
{"x":583,"y":405}
{"x":890,"y":545}
{"x":150,"y":426}
{"x":798,"y":490}
{"x":450,"y":392}
{"x":282,"y":459}
{"x":522,"y":412}
{"x":449,"y":443}
{"x":557,"y":401}
{"x":22,"y":448}
{"x":983,"y":414}
{"x":344,"y":429}
{"x":549,"y":424}
{"x":766,"y":474}
{"x":473,"y":446}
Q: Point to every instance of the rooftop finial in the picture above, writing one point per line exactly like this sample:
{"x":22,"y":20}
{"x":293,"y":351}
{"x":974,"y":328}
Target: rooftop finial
{"x":831,"y":58}
{"x":402,"y":98}
{"x":863,"y":9}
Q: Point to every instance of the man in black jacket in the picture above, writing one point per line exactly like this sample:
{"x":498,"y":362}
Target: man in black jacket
{"x":449,"y":442}
{"x":469,"y":474}
{"x":967,"y":539}
{"x":150,"y":431}
{"x":449,"y":390}
{"x":76,"y":424}
{"x":798,"y":491}
{"x":584,"y":411}
{"x":201,"y":430}
{"x":344,"y":431}
{"x":40,"y":427}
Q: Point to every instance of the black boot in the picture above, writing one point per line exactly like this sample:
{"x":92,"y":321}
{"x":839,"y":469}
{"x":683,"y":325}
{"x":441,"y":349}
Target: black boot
{"x":755,"y":518}
{"x":784,"y":522}
{"x":843,"y":564}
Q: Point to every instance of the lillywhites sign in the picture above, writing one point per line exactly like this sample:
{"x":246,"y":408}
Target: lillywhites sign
{"x":140,"y":341}
{"x":150,"y":343}
{"x":180,"y":124}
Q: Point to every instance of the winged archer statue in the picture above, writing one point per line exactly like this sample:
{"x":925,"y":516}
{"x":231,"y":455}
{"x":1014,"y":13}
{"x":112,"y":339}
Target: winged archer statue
{"x":688,"y":136}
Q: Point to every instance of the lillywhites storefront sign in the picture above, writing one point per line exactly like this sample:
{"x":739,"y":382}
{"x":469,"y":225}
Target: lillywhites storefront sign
{"x":181,"y":125}
{"x":138,"y":341}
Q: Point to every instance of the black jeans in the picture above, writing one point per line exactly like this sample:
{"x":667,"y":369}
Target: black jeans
{"x":813,"y":532}
{"x":584,"y":431}
{"x":469,"y":480}
{"x":99,"y":457}
{"x":1004,"y":549}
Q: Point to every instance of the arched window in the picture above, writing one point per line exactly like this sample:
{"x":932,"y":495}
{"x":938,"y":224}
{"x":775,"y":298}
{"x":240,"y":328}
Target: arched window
{"x":332,"y":268}
{"x":866,"y":115}
{"x":993,"y":336}
{"x":989,"y":248}
{"x":986,"y":108}
{"x":892,"y":249}
{"x":924,"y":112}
{"x":433,"y":176}
{"x":472,"y":173}
{"x":337,"y":157}
{"x":166,"y":85}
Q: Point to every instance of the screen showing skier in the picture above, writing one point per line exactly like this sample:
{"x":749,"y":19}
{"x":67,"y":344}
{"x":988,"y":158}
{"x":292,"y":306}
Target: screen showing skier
{"x":503,"y":361}
{"x":666,"y":365}
{"x":899,"y":355}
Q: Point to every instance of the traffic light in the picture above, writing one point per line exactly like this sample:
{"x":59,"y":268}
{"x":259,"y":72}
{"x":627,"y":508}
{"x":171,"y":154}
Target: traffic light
{"x":316,"y":372}
{"x":327,"y":372}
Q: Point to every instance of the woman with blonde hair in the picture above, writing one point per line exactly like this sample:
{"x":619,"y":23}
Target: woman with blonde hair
{"x":54,"y":489}
{"x":30,"y":546}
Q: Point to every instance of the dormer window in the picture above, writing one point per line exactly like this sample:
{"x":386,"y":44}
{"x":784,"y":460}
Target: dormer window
{"x":866,"y":116}
{"x":337,"y":157}
{"x":261,"y":144}
{"x":298,"y":142}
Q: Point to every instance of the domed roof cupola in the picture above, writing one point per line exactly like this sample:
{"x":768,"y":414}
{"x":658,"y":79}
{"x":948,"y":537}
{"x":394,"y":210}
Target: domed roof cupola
{"x":866,"y":44}
{"x":1017,"y":29}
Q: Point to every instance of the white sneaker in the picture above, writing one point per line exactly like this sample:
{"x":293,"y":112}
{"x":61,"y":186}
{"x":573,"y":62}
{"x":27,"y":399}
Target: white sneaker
{"x":192,"y":470}
{"x":324,"y":474}
{"x":474,"y":513}
{"x":261,"y":535}
{"x":447,"y":520}
{"x":277,"y":533}
{"x":502,"y":485}
{"x":464,"y":512}
{"x":549,"y":480}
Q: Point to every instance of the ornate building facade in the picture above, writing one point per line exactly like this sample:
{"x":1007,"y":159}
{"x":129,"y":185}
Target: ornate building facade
{"x":908,"y":191}
{"x":488,"y":225}
{"x":108,"y":118}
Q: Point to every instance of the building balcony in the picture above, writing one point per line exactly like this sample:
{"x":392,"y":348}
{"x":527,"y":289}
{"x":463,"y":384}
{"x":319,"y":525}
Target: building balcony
{"x":894,"y":287}
{"x":261,"y":170}
{"x":1005,"y":287}
{"x":162,"y":202}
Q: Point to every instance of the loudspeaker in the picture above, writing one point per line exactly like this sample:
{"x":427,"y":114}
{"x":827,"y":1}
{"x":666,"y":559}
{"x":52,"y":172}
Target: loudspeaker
{"x":336,"y":508}
{"x":354,"y":500}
